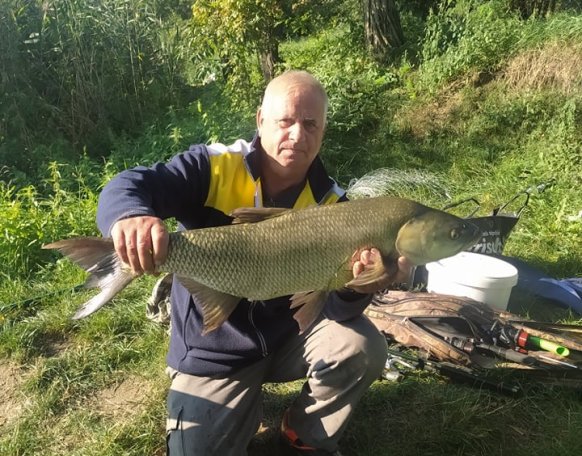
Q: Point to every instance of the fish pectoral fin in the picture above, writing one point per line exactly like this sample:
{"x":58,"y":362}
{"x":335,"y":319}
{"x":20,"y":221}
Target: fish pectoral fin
{"x":216,"y":306}
{"x":311,"y":303}
{"x":373,"y":277}
{"x":256,"y":214}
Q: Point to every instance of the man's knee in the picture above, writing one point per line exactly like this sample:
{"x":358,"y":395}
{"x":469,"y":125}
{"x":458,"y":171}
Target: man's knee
{"x":356,"y":345}
{"x":369,"y":347}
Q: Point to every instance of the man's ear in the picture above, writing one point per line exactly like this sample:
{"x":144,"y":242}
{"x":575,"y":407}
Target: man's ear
{"x":259,"y":120}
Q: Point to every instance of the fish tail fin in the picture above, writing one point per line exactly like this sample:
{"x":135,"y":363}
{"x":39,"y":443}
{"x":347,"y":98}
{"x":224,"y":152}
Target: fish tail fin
{"x":96,"y":256}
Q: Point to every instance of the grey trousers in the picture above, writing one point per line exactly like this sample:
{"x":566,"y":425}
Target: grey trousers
{"x":219,"y":416}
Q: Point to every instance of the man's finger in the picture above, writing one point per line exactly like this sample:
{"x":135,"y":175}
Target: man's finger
{"x":160,"y":241}
{"x":365,"y":257}
{"x":118,"y":238}
{"x":145,"y":252}
{"x":131,"y":246}
{"x":358,"y":268}
{"x":405,"y":270}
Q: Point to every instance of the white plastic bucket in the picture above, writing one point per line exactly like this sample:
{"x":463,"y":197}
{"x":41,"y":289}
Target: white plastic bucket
{"x":480,"y":277}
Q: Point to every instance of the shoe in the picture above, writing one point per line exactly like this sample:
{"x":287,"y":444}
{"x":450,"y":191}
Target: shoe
{"x":293,"y":444}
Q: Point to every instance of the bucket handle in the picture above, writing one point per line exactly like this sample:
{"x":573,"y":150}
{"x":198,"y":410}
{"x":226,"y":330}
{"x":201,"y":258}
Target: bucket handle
{"x":466,"y":200}
{"x":523,"y":193}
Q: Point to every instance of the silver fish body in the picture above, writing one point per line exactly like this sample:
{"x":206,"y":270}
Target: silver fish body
{"x":287,"y":252}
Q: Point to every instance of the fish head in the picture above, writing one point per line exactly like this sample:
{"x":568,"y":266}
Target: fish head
{"x":433,"y":235}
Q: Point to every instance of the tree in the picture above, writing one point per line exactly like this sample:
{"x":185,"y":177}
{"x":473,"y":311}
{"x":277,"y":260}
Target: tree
{"x":236,"y":32}
{"x":243,"y":36}
{"x":382,"y":27}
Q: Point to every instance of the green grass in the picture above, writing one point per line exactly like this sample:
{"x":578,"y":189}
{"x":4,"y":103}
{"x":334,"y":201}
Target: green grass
{"x":463,"y":118}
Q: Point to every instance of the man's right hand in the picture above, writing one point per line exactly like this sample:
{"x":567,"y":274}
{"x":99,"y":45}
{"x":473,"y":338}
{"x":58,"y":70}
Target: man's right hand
{"x":141,"y":242}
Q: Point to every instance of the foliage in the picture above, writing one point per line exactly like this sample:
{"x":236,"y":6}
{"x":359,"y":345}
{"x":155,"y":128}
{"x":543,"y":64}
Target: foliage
{"x":82,"y":70}
{"x":559,"y":27}
{"x":454,"y":118}
{"x":469,"y":35}
{"x":233,"y":38}
{"x":202,"y":121}
{"x":536,"y":8}
{"x":29,"y":220}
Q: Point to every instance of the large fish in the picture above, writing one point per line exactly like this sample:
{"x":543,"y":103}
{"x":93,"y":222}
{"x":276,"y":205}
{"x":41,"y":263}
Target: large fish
{"x":271,"y":252}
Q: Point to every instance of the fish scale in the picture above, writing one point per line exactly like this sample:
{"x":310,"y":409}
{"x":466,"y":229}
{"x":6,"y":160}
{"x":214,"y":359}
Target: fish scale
{"x":298,"y":251}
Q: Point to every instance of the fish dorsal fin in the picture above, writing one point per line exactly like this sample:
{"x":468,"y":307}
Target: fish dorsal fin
{"x":311,"y":303}
{"x":216,"y":306}
{"x":377,"y":273}
{"x":257,"y":214}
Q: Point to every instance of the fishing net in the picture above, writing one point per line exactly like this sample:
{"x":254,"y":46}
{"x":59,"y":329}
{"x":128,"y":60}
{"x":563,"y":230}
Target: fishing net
{"x":425,"y":186}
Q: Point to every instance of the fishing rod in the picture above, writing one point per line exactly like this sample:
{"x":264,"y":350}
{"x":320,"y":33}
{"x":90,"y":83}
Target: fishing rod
{"x":28,"y":302}
{"x":397,"y":362}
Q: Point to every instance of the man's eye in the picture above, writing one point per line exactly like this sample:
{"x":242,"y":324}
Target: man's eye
{"x":284,"y":123}
{"x":310,"y":125}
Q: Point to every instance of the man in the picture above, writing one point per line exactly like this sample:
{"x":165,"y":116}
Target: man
{"x":214,"y":403}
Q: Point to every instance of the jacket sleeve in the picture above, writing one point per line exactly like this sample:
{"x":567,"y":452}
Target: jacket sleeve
{"x":345,"y":304}
{"x":176,"y":189}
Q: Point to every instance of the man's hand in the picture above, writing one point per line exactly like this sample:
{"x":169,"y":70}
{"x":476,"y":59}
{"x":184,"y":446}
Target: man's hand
{"x":369,"y":260}
{"x":141,"y":242}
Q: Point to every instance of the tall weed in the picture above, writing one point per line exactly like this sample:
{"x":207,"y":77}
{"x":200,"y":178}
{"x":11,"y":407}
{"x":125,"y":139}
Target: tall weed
{"x":83,"y":71}
{"x":29,"y":218}
{"x":558,"y":27}
{"x":466,"y":36}
{"x":211,"y":118}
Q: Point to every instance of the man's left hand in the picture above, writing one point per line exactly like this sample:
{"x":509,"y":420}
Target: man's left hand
{"x":395,"y":273}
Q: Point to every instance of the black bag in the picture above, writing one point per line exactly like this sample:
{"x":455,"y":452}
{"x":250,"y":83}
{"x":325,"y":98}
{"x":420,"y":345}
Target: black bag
{"x":495,"y":228}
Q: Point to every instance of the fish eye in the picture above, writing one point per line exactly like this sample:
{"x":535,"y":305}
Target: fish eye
{"x":455,"y":234}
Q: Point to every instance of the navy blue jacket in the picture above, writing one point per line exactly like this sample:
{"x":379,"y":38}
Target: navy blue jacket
{"x":199,"y":188}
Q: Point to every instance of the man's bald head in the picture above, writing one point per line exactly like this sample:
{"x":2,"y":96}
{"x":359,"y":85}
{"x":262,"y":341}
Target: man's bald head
{"x":289,"y":79}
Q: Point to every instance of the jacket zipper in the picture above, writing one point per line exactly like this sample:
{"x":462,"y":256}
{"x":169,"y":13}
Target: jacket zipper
{"x":259,"y":334}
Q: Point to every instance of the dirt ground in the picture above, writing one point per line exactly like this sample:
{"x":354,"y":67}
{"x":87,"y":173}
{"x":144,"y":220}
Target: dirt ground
{"x":12,"y":400}
{"x":123,"y":399}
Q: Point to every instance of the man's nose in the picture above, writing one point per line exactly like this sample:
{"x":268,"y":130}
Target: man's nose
{"x":296,"y":131}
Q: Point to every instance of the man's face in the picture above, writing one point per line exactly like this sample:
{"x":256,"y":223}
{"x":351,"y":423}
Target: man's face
{"x":291,"y":127}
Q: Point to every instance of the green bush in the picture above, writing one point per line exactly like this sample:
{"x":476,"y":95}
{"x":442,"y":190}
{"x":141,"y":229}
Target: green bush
{"x":84,"y":71}
{"x":31,"y":218}
{"x":468,"y":36}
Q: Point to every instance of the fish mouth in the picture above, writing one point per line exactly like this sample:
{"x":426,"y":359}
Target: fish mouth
{"x":476,"y":230}
{"x":474,"y":233}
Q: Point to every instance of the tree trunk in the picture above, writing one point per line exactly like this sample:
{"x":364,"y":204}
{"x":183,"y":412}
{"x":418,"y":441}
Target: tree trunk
{"x":268,"y":59}
{"x":536,"y":8}
{"x":382,"y":26}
